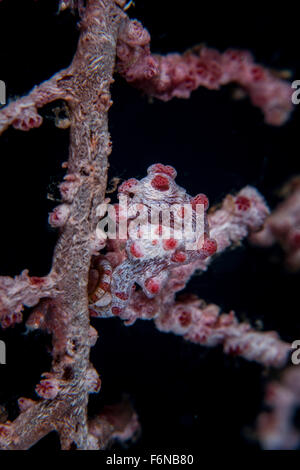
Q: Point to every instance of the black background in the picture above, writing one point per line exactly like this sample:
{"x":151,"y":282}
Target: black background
{"x":188,"y":397}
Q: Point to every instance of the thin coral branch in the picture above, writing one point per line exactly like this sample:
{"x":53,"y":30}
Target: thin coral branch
{"x":205,"y":325}
{"x":276,"y":429}
{"x":20,"y":291}
{"x":283,"y":225}
{"x":238,"y":216}
{"x":114,"y":423}
{"x":176,"y":75}
{"x":23,"y":113}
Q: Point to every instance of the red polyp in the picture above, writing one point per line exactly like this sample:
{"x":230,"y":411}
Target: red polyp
{"x":152,"y":285}
{"x":243,"y":203}
{"x":185,"y":319}
{"x":136,"y":251}
{"x":161,"y":183}
{"x":295,"y":241}
{"x":235,"y":350}
{"x":54,"y":216}
{"x":169,"y":244}
{"x":235,"y":55}
{"x":128,"y":185}
{"x":209,"y":247}
{"x":47,"y":388}
{"x":122,"y":295}
{"x":179,"y":257}
{"x":257,"y":73}
{"x":116,"y":310}
{"x":200,"y":199}
{"x":167,"y":169}
{"x":37,"y":281}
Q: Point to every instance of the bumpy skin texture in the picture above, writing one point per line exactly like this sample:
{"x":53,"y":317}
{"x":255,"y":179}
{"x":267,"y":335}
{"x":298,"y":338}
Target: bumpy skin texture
{"x":151,"y":251}
{"x":132,"y":258}
{"x":162,"y":266}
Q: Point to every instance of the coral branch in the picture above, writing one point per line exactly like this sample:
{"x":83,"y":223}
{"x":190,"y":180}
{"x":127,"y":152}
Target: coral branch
{"x":238,"y":216}
{"x":276,"y":429}
{"x":23,"y":113}
{"x":30,"y":426}
{"x":176,"y":75}
{"x":283,"y":226}
{"x":205,"y":325}
{"x":20,"y":291}
{"x":37,"y":419}
{"x":118,"y":422}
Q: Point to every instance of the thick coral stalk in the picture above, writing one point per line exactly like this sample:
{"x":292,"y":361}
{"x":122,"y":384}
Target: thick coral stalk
{"x":85,"y":86}
{"x":118,"y":422}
